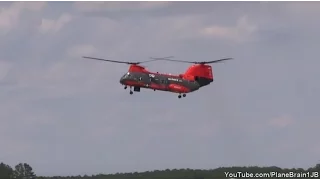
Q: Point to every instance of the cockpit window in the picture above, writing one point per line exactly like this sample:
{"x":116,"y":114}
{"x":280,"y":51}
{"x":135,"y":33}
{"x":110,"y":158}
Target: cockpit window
{"x":127,"y":75}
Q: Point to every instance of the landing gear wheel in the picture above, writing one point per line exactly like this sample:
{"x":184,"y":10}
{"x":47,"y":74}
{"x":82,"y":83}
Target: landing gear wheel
{"x":125,"y":87}
{"x":184,"y":95}
{"x":131,"y":92}
{"x":179,"y":96}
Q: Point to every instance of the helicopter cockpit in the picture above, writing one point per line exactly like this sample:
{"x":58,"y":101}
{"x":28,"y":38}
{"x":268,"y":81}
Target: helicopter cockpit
{"x":125,"y":77}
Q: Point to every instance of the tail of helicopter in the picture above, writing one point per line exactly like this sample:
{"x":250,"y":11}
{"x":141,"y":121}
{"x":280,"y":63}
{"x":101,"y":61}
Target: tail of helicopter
{"x":201,"y":73}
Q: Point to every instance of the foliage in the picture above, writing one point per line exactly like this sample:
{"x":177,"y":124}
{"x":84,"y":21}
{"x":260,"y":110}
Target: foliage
{"x":6,"y":172}
{"x":24,"y":171}
{"x":21,"y":171}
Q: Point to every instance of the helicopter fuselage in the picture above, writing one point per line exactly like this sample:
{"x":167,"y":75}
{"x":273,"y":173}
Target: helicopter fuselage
{"x":138,"y":77}
{"x":160,"y":82}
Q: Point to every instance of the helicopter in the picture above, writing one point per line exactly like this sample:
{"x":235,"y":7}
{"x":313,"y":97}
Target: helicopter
{"x":198,"y":75}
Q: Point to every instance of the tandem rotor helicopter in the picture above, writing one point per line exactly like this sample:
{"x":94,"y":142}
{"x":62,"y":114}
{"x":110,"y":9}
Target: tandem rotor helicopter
{"x":196,"y":76}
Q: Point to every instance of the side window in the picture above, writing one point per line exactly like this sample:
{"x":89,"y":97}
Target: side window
{"x":164,"y":81}
{"x":140,"y":78}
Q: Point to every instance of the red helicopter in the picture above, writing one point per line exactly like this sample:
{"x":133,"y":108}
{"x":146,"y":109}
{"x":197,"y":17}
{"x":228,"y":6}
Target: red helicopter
{"x":196,"y":76}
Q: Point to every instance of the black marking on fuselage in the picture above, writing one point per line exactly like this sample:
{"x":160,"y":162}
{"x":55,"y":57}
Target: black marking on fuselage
{"x":163,"y":80}
{"x":203,"y":81}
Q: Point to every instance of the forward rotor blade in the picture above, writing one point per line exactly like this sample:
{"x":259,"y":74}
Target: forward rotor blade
{"x":123,"y":62}
{"x":106,"y":60}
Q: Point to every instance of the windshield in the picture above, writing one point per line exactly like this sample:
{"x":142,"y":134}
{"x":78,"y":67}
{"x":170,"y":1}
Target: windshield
{"x":126,"y":75}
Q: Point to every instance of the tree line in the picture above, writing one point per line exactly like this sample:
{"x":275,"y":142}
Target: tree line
{"x":20,"y":171}
{"x":25,"y":171}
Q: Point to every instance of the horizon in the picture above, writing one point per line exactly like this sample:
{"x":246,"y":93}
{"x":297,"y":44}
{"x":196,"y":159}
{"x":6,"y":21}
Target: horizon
{"x":216,"y":172}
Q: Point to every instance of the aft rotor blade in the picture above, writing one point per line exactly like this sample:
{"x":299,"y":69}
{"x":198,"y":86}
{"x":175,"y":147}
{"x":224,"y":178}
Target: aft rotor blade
{"x":219,"y":60}
{"x":195,"y":62}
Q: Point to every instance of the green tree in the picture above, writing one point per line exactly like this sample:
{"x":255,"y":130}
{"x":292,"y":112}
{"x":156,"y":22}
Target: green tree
{"x":23,"y":171}
{"x":6,"y":172}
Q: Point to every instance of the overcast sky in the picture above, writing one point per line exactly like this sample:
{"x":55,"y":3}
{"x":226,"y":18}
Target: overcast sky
{"x":65,"y":115}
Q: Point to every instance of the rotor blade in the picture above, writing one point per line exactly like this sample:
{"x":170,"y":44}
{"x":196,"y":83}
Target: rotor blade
{"x":107,"y":60}
{"x":161,"y":58}
{"x":195,"y":62}
{"x":219,"y":60}
{"x":174,"y":60}
{"x":124,"y":62}
{"x":149,"y":60}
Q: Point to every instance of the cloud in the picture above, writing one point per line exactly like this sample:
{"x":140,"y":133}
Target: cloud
{"x":81,"y":50}
{"x":241,"y":32}
{"x":281,"y":121}
{"x":54,"y":26}
{"x":4,"y":69}
{"x":32,"y":6}
{"x":57,"y":80}
{"x":304,"y":7}
{"x":117,"y":6}
{"x":10,"y":16}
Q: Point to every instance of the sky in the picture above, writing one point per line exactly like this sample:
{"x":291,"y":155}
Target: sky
{"x":65,"y":115}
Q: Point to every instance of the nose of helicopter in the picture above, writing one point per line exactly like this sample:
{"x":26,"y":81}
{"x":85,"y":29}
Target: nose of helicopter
{"x":122,"y":80}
